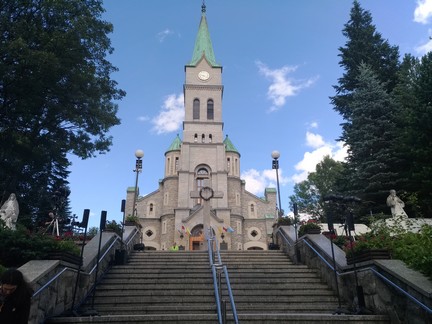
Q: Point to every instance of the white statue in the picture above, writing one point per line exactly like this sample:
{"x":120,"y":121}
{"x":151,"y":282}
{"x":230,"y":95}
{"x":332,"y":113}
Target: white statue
{"x":396,"y":205}
{"x":9,"y":212}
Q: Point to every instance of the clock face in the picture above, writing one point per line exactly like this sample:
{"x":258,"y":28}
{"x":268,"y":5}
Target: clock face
{"x":206,"y":193}
{"x":204,"y":75}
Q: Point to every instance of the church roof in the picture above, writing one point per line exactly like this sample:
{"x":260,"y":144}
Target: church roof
{"x":229,"y":146}
{"x":203,"y":44}
{"x":175,"y":145}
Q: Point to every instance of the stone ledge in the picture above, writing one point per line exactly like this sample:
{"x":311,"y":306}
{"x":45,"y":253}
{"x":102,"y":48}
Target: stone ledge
{"x":413,"y":278}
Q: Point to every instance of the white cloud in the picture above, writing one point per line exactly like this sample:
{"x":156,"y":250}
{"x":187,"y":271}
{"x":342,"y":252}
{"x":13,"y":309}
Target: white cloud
{"x":257,"y":181}
{"x":314,"y":140}
{"x":172,"y":115}
{"x":310,"y":159}
{"x":423,"y":11}
{"x":426,"y":47}
{"x":143,"y":118}
{"x":164,"y":34}
{"x":313,"y":125}
{"x":282,"y":86}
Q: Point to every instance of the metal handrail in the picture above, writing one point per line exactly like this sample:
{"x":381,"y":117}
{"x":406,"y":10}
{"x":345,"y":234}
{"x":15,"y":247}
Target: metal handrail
{"x":283,"y":235}
{"x":230,"y":294}
{"x":212,"y":237}
{"x":103,"y":255}
{"x":215,"y":282}
{"x":37,"y":292}
{"x":132,"y":237}
{"x":57,"y":275}
{"x":375,"y":272}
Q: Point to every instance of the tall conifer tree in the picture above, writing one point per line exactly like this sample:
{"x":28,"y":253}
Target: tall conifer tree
{"x":364,"y":45}
{"x":372,"y":139}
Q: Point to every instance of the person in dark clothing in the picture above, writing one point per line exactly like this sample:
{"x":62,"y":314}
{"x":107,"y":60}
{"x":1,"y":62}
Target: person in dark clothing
{"x":15,"y":298}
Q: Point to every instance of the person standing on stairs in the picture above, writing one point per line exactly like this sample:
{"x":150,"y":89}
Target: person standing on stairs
{"x":15,"y":298}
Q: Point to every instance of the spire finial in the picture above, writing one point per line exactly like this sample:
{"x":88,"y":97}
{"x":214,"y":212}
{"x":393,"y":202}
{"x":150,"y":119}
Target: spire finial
{"x":203,"y":7}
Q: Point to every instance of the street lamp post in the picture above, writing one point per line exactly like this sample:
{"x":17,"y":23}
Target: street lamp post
{"x":138,"y":167}
{"x":275,"y":165}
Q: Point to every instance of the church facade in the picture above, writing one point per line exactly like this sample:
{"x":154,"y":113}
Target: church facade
{"x":201,"y":187}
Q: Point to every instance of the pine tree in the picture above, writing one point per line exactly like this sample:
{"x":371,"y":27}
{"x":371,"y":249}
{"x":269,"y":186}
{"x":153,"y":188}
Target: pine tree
{"x":364,"y":45}
{"x":414,"y":98}
{"x":372,"y":139}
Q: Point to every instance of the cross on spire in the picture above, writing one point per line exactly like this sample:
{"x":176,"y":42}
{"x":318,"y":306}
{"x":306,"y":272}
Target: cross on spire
{"x":203,"y":7}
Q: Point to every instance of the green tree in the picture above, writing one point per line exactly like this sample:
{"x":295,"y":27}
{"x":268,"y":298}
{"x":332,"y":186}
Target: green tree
{"x":56,"y":94}
{"x":364,"y":45}
{"x":308,"y":193}
{"x":413,"y":95}
{"x":372,"y":139}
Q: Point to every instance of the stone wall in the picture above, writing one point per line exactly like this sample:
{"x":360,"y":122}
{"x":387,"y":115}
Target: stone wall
{"x":54,"y":281}
{"x":380,"y":296}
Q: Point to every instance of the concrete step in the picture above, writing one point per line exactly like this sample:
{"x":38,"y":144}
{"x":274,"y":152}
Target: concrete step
{"x":177,"y":287}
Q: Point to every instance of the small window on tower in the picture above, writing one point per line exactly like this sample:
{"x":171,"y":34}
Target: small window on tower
{"x":202,"y":138}
{"x":196,"y":109}
{"x":210,"y":138}
{"x":210,"y":110}
{"x":196,"y":138}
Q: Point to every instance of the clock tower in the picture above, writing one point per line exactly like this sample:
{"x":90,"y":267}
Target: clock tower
{"x":203,"y":150}
{"x":201,"y":187}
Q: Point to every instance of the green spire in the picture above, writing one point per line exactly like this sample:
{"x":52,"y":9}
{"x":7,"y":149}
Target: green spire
{"x":229,"y":146}
{"x":175,"y":145}
{"x":203,"y":44}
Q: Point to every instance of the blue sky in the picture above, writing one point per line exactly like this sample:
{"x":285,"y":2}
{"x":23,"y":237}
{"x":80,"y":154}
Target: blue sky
{"x":279,"y":63}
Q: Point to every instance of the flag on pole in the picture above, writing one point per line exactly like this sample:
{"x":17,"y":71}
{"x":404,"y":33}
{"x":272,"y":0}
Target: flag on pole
{"x":183,"y":229}
{"x":225,"y":229}
{"x":230,"y":229}
{"x":188,"y":231}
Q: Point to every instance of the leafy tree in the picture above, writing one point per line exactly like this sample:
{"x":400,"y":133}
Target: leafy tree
{"x":308,"y":193}
{"x":364,"y":45}
{"x":56,"y":94}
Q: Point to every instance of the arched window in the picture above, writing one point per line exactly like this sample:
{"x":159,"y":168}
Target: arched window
{"x":210,"y":109}
{"x":196,"y":109}
{"x":202,"y":175}
{"x":196,"y":138}
{"x":210,"y":138}
{"x":202,"y":138}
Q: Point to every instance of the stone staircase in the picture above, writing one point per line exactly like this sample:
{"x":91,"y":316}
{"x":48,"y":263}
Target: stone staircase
{"x":269,"y":288}
{"x":177,"y":287}
{"x":153,"y":287}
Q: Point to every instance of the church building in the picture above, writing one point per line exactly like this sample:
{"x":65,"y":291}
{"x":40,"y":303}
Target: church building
{"x":201,"y":186}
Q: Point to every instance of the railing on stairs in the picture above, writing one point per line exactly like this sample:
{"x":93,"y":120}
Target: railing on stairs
{"x":217,"y":268}
{"x":333,"y":268}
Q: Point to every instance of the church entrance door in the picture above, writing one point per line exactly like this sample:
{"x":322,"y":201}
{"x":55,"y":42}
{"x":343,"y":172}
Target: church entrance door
{"x":196,"y":239}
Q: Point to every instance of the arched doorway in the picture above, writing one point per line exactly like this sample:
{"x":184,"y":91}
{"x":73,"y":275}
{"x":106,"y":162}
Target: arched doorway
{"x":196,"y":238}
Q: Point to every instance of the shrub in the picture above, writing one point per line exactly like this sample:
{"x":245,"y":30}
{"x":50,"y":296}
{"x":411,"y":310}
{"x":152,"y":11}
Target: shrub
{"x":368,"y":241}
{"x":310,"y":224}
{"x":20,"y":246}
{"x":285,"y":221}
{"x":403,"y":244}
{"x":115,"y":227}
